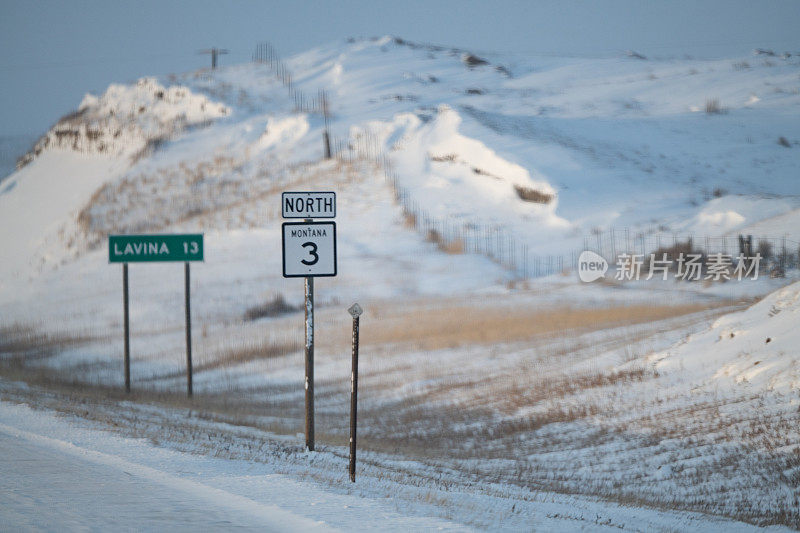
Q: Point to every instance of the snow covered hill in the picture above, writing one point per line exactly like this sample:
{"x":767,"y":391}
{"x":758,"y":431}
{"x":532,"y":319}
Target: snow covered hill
{"x":757,"y":348}
{"x":451,"y":170}
{"x":542,"y":149}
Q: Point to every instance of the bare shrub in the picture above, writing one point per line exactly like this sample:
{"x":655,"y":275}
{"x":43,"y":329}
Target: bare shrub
{"x":783,"y":141}
{"x":277,"y":306}
{"x":713,"y":107}
{"x":447,"y":158}
{"x":675,"y":251}
{"x":504,"y":71}
{"x":473,"y":61}
{"x":765,"y":249}
{"x":529,"y":194}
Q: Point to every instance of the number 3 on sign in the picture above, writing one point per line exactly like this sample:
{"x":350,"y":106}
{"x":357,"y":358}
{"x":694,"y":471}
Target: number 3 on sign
{"x":309,"y":249}
{"x":190,"y":247}
{"x":312,"y":251}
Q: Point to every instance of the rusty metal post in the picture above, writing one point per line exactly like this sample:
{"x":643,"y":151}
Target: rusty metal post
{"x":355,"y":311}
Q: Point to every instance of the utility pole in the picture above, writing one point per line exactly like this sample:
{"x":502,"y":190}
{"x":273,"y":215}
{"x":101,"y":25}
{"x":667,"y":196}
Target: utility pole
{"x":214,"y":53}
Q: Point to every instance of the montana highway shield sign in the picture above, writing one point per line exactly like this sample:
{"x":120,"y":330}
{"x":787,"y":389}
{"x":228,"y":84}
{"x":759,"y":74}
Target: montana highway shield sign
{"x":309,"y":249}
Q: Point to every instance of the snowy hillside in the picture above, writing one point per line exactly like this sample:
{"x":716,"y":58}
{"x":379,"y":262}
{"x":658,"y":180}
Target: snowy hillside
{"x":756,"y":348}
{"x":622,"y":141}
{"x":543,"y":150}
{"x":494,"y":380}
{"x":12,"y":147}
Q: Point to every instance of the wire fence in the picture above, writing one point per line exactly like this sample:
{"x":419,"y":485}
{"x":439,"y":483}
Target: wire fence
{"x":498,"y":242}
{"x":266,"y":54}
{"x":777,"y":254}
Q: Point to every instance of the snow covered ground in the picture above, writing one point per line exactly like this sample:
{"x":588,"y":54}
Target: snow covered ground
{"x":132,"y":484}
{"x":466,"y":186}
{"x":246,"y":479}
{"x":12,"y":147}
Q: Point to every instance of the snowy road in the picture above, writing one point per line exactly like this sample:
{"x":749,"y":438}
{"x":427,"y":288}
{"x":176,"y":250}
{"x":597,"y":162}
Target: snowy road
{"x":49,"y":484}
{"x":38,"y":491}
{"x":58,"y":474}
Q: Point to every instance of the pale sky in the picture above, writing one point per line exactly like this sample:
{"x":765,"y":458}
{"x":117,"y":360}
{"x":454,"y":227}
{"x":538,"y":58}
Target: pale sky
{"x":56,"y":51}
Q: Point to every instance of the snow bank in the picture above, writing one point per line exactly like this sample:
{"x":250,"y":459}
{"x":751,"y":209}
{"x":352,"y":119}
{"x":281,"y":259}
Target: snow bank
{"x":35,"y":202}
{"x":126,"y":118}
{"x":283,"y":131}
{"x":456,"y":176}
{"x":756,"y":347}
{"x":730,"y":214}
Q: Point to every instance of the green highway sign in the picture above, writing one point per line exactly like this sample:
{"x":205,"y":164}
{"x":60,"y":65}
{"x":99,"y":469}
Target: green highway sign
{"x":155,"y":248}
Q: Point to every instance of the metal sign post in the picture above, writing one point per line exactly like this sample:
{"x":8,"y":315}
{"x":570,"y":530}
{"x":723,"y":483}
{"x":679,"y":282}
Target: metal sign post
{"x":151,"y":249}
{"x":126,"y":327}
{"x":355,"y":311}
{"x":309,"y":251}
{"x":309,"y":353}
{"x":188,"y":307}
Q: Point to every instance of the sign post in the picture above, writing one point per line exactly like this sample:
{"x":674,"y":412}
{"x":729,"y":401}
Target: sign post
{"x":155,"y":249}
{"x":355,"y":311}
{"x":188,"y":308}
{"x":309,"y":362}
{"x":309,"y":251}
{"x":126,"y":327}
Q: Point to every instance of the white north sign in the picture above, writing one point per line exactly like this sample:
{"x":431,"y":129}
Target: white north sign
{"x":308,"y":204}
{"x":309,"y":249}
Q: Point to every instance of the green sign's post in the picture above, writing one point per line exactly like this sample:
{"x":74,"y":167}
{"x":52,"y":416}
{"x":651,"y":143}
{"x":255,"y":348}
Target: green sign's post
{"x":152,"y":249}
{"x":127,"y":328}
{"x":188,"y":308}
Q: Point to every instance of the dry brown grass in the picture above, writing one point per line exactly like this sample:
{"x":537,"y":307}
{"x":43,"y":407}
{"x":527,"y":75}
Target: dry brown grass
{"x":23,"y":342}
{"x":532,"y":195}
{"x":250,"y":353}
{"x":459,"y":325}
{"x":276,"y":306}
{"x":410,"y":220}
{"x":453,"y":247}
